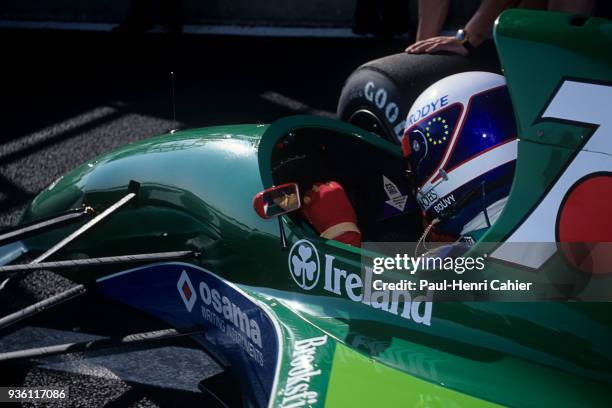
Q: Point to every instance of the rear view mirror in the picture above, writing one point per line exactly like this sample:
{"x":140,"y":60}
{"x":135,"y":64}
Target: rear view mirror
{"x":277,"y":200}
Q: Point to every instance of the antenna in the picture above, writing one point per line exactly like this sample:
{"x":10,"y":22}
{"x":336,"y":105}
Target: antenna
{"x":173,"y":96}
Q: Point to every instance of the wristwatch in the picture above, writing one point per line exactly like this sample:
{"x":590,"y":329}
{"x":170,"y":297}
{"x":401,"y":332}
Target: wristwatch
{"x":464,"y":39}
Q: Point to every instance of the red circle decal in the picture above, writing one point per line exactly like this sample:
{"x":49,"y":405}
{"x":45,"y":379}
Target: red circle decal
{"x":585,"y":225}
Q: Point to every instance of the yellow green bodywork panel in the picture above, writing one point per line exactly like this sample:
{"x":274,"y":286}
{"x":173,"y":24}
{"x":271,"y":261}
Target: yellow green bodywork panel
{"x":358,"y":381}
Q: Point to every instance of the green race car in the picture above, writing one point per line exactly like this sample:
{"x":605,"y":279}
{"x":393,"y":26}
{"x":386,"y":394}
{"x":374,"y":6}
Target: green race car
{"x":291,"y":316}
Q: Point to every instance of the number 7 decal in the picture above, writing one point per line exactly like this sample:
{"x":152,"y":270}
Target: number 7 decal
{"x":577,"y":206}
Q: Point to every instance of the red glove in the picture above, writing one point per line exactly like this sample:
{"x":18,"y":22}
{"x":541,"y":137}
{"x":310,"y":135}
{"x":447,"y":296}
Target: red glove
{"x":328,"y":209}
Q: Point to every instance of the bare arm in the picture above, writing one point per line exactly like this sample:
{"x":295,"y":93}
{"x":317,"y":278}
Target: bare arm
{"x":478,"y":28}
{"x":432,"y":14}
{"x":480,"y":25}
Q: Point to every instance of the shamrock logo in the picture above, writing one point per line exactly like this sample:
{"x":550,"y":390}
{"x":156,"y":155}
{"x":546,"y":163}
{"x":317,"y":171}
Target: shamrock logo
{"x":304,"y":267}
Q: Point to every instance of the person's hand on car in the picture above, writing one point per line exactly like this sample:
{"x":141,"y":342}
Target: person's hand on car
{"x":433,"y":14}
{"x":438,"y":44}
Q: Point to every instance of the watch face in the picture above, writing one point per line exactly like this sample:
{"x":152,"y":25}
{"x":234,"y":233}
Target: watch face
{"x":460,"y":35}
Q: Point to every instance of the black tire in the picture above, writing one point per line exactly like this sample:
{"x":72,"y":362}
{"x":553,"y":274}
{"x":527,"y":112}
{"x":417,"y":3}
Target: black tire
{"x":378,"y":95}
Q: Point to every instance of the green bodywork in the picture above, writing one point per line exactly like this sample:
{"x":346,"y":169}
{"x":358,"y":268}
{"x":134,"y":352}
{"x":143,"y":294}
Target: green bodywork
{"x":196,"y":193}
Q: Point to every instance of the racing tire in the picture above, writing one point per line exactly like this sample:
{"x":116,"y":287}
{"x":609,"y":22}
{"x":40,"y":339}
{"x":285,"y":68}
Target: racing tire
{"x":378,"y":95}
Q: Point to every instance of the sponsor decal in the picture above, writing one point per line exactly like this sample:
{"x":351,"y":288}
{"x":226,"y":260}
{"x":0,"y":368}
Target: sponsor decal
{"x":221,"y":312}
{"x":444,"y":203}
{"x":396,"y":199}
{"x":187,"y":296}
{"x":186,"y":291}
{"x":428,"y":198}
{"x":380,"y":98}
{"x":297,"y":392}
{"x":427,"y":109}
{"x":357,"y":288}
{"x":303,"y":265}
{"x":549,"y":221}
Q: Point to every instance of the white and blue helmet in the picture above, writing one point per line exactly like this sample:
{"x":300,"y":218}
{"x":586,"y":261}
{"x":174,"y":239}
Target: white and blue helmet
{"x":462,"y":143}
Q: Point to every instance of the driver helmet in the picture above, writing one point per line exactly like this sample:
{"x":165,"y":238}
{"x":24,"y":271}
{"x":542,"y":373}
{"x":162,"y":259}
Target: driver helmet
{"x":461,"y":143}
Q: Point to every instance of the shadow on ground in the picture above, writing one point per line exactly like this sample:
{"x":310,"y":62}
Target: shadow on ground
{"x":71,"y":96}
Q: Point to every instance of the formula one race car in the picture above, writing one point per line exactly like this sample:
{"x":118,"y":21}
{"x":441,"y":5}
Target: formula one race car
{"x":168,"y":226}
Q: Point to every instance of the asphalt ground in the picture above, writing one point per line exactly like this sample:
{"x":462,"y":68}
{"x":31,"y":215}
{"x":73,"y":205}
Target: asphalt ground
{"x":70,"y":96}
